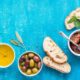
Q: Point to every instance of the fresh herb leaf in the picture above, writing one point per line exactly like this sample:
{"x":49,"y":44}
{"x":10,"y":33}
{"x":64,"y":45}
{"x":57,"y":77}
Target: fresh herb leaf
{"x":77,"y":24}
{"x":76,"y":21}
{"x":73,"y":19}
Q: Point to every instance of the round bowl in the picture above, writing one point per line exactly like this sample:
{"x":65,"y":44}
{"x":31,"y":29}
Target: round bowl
{"x":77,"y":54}
{"x":32,"y":74}
{"x":12,"y":60}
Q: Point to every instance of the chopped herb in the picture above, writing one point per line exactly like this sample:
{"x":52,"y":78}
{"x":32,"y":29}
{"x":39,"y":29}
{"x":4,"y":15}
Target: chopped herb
{"x":76,"y":21}
{"x":73,"y":19}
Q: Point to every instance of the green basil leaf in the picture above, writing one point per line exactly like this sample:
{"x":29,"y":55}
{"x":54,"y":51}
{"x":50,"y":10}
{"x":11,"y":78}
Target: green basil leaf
{"x":77,"y":24}
{"x":73,"y":19}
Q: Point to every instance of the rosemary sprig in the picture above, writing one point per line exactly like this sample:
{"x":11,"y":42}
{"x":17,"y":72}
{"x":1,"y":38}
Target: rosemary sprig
{"x":20,"y":42}
{"x":14,"y":42}
{"x":20,"y":39}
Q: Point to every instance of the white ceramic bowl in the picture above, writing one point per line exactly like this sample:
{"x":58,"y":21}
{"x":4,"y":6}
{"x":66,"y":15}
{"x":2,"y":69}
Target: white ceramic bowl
{"x":32,"y":74}
{"x":14,"y":55}
{"x":77,"y":54}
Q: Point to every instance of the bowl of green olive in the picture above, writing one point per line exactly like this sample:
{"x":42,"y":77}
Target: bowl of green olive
{"x":30,"y":63}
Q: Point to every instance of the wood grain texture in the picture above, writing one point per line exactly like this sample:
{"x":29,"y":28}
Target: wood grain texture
{"x":34,"y":20}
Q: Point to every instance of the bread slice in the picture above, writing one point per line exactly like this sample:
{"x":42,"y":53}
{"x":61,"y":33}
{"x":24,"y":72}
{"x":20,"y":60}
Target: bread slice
{"x":53,"y":51}
{"x":63,"y":68}
{"x":76,"y":13}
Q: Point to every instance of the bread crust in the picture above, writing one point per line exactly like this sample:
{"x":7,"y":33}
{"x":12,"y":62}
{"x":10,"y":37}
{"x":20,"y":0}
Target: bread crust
{"x":57,"y":54}
{"x":63,"y":68}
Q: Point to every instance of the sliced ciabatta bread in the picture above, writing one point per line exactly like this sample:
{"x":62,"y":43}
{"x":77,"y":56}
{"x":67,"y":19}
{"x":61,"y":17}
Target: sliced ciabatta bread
{"x":64,"y":68}
{"x":53,"y":51}
{"x":75,"y":13}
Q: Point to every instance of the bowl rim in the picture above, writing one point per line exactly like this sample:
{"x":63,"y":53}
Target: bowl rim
{"x":32,"y":74}
{"x":69,"y":43}
{"x":13,"y":53}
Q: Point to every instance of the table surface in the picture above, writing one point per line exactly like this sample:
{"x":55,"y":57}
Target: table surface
{"x":34,"y":20}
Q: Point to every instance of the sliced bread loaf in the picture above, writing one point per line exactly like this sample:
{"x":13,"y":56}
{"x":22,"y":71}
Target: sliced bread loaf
{"x":53,"y":51}
{"x":64,"y":68}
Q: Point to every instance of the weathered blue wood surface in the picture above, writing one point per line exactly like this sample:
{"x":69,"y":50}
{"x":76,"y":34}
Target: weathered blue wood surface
{"x":34,"y":20}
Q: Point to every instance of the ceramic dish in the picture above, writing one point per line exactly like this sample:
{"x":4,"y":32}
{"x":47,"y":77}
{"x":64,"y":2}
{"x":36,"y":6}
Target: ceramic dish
{"x":7,"y":55}
{"x":28,"y":67}
{"x":74,"y":47}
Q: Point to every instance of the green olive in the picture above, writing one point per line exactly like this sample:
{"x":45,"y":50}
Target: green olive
{"x":36,"y":65}
{"x":34,"y":70}
{"x":29,"y":72}
{"x":22,"y":64}
{"x":31,"y":55}
{"x":32,"y":63}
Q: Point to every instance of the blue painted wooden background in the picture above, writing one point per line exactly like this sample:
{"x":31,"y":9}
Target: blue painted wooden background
{"x":34,"y":20}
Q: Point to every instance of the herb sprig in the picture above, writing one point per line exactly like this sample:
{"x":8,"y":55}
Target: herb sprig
{"x":75,"y":20}
{"x":19,"y":41}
